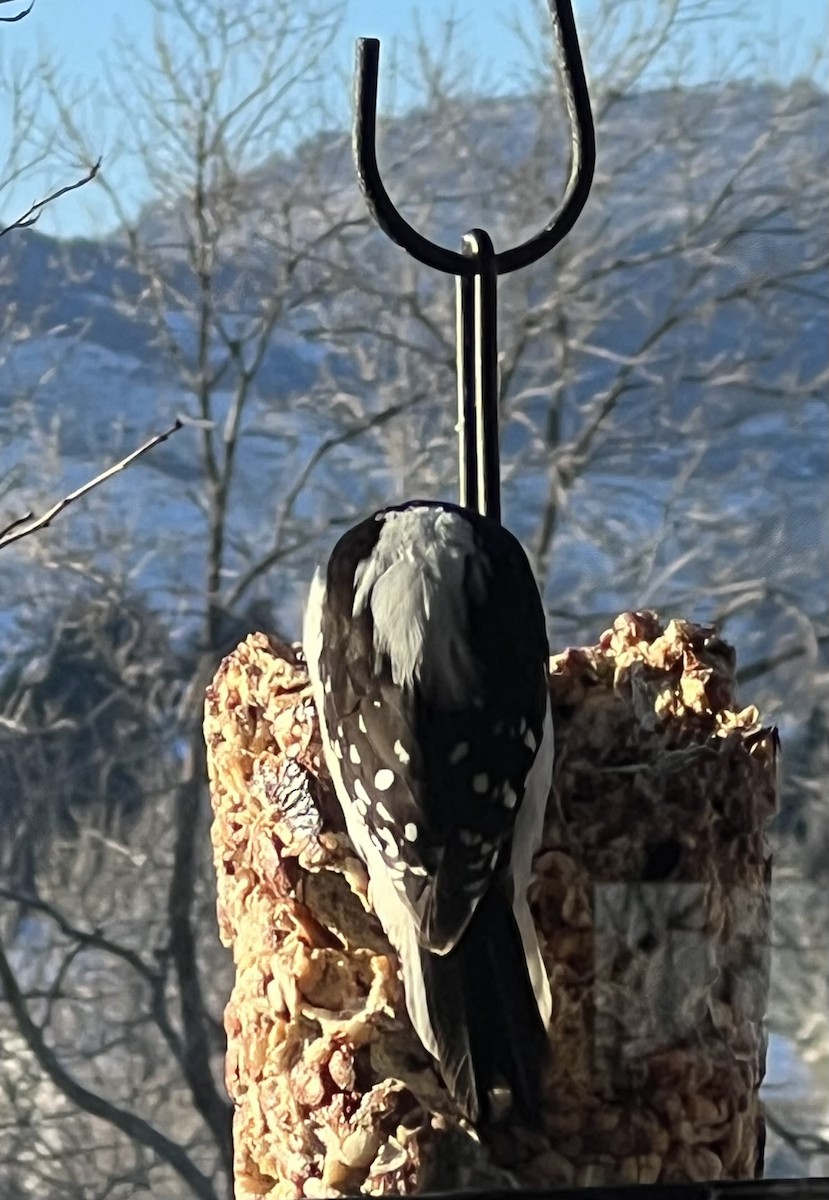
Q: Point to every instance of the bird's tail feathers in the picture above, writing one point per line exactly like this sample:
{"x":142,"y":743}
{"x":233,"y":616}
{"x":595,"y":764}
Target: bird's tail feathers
{"x":484,"y":1014}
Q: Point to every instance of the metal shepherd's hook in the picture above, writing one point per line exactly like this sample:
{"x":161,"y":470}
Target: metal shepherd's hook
{"x":478,"y":266}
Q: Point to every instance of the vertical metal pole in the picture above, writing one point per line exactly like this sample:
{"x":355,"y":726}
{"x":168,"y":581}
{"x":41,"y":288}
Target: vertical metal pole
{"x":478,"y":377}
{"x":465,"y":360}
{"x":486,"y":400}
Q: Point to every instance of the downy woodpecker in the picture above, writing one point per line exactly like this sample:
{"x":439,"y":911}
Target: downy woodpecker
{"x":427,"y":650}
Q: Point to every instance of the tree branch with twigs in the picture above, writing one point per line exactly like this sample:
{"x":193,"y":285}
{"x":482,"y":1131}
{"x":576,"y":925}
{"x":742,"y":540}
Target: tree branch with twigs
{"x":35,"y":210}
{"x":32,"y":214}
{"x":135,"y":1127}
{"x":28,"y":524}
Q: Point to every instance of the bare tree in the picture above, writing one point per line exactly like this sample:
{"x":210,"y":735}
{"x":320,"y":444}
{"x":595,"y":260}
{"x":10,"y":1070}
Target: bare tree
{"x":16,"y":91}
{"x":17,"y":87}
{"x":214,"y":98}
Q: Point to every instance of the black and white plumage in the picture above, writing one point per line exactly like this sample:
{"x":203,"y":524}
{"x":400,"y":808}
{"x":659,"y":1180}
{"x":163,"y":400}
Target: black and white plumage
{"x":428,"y":654}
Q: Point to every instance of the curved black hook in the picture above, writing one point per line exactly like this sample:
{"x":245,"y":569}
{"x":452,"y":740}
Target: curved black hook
{"x":477,"y":267}
{"x":582,"y":165}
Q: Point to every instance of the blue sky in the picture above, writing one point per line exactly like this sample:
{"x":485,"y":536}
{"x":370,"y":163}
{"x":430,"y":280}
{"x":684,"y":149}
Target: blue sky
{"x":784,"y":37}
{"x":81,"y":29}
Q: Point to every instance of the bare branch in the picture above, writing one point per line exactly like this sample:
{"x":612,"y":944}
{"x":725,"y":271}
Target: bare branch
{"x":277,"y":551}
{"x":131,"y":1124}
{"x":213,"y":1107}
{"x":23,"y":526}
{"x":15,"y":524}
{"x":756,"y":670}
{"x":801,"y":1143}
{"x":98,"y":941}
{"x":32,"y":214}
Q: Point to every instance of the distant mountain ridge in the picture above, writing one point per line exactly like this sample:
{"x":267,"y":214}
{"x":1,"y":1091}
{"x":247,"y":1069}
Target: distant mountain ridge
{"x":69,"y":279}
{"x":78,"y":352}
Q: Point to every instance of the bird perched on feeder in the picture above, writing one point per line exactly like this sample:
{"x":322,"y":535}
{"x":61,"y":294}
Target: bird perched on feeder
{"x":427,"y":650}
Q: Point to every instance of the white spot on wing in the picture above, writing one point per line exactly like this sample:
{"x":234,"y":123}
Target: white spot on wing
{"x":387,"y":838}
{"x":410,"y":831}
{"x":354,"y":754}
{"x":338,"y":750}
{"x":401,"y":752}
{"x":529,"y":740}
{"x":383,"y":779}
{"x":383,"y":812}
{"x":361,"y":793}
{"x":480,"y":783}
{"x":361,"y":725}
{"x":510,"y":796}
{"x":458,"y":753}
